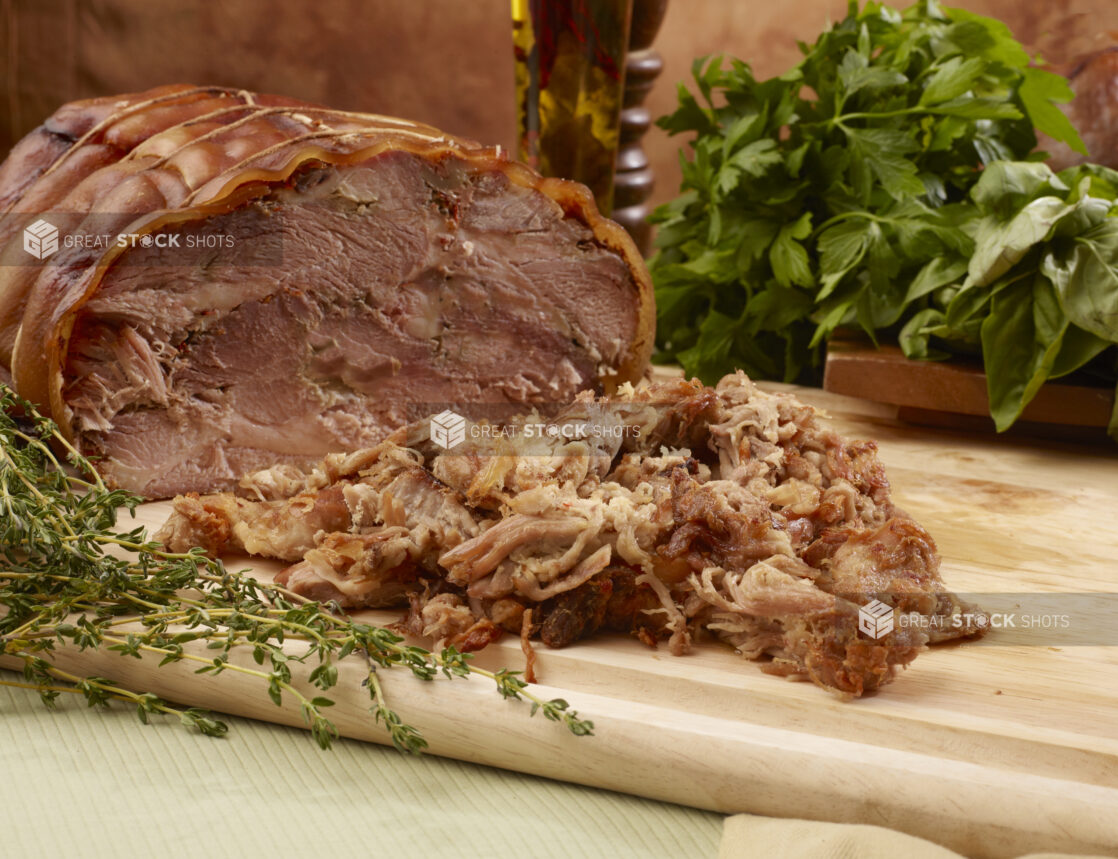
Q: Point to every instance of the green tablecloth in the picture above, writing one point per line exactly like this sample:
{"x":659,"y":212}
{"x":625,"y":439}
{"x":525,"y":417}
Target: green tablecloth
{"x":74,"y":782}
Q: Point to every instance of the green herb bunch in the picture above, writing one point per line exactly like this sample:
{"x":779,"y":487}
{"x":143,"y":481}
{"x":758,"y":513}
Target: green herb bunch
{"x":853,"y":191}
{"x":69,"y":578}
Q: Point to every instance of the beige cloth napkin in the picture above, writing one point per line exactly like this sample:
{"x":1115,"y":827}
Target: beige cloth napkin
{"x":746,"y":836}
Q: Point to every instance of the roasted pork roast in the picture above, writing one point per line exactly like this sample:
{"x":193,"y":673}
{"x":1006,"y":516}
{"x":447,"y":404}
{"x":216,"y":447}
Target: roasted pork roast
{"x":676,"y":511}
{"x":242,"y":280}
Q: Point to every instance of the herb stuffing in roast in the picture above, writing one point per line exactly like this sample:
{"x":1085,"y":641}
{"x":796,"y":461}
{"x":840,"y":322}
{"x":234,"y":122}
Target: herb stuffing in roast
{"x":724,"y":510}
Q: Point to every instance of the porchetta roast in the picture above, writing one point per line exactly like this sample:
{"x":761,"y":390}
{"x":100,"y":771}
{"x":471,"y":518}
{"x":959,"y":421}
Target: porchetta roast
{"x":669,"y":511}
{"x":244,"y":279}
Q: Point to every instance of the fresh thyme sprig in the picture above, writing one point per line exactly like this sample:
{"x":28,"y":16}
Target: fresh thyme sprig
{"x":67,"y":576}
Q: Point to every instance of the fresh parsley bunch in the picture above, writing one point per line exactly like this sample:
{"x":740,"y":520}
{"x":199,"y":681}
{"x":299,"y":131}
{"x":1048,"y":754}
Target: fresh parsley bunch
{"x":856,"y":189}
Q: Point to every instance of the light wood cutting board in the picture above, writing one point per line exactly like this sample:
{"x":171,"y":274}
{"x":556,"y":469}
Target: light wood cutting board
{"x":991,"y":749}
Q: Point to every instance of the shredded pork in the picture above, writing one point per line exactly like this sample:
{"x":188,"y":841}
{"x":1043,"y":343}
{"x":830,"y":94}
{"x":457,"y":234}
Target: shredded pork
{"x":727,"y":510}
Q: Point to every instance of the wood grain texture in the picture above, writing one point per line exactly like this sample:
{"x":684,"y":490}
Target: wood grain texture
{"x":989,"y":749}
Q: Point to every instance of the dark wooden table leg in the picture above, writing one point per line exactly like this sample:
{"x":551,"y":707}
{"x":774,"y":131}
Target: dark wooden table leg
{"x":633,"y":179}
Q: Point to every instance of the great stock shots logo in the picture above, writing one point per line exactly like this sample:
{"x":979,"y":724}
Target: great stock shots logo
{"x":875,"y":619}
{"x":448,"y":429}
{"x":41,"y":239}
{"x":79,"y":238}
{"x":497,"y":429}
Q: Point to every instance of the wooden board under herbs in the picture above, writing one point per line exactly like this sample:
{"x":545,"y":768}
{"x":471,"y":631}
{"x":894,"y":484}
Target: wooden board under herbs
{"x":989,"y":749}
{"x":953,"y":393}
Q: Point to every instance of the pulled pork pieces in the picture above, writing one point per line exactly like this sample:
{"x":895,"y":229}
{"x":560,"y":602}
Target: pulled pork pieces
{"x":686,"y":509}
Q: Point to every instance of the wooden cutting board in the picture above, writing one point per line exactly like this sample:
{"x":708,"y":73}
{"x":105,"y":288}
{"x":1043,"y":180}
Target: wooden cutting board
{"x":993,"y":749}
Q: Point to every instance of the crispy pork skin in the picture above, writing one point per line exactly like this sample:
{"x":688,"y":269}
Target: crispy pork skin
{"x":46,"y":172}
{"x":301,"y":278}
{"x":732,"y":512}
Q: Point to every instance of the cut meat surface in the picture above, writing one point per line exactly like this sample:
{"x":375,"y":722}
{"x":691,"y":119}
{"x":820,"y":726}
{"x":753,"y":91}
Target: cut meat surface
{"x":300,"y":281}
{"x":726,"y":510}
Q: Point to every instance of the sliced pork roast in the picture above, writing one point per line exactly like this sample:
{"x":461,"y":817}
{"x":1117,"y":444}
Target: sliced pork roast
{"x":728,"y":511}
{"x":292,"y":281}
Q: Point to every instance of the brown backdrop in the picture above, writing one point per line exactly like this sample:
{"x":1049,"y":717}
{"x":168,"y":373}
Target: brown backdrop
{"x":447,"y":62}
{"x":764,"y":34}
